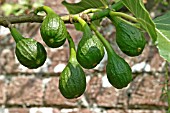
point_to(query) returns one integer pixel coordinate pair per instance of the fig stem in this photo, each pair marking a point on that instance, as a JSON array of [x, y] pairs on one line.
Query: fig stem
[[72, 48], [91, 10], [83, 23], [108, 47], [15, 34], [112, 14], [116, 20], [46, 9]]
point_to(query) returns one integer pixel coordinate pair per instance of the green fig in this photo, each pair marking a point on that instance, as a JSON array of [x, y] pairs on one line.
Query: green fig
[[90, 49], [53, 30], [29, 52], [72, 82], [118, 71], [130, 39]]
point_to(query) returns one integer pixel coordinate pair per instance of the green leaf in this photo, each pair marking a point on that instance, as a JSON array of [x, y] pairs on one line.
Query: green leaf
[[138, 9], [163, 31], [163, 45], [164, 19], [75, 8]]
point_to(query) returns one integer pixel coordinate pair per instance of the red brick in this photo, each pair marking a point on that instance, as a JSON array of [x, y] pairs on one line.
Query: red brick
[[143, 57], [148, 92], [85, 111], [156, 62], [7, 62], [93, 89], [107, 97], [25, 90], [18, 110], [104, 96], [55, 57], [54, 97], [2, 91], [56, 6]]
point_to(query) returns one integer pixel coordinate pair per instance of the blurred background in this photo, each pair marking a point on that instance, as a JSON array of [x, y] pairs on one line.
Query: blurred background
[[36, 91]]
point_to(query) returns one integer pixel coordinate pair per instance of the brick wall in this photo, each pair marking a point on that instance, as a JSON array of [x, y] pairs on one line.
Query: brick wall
[[29, 93], [36, 91]]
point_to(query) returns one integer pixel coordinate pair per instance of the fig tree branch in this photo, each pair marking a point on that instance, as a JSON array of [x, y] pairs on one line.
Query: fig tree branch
[[86, 15], [20, 19], [39, 19], [4, 21]]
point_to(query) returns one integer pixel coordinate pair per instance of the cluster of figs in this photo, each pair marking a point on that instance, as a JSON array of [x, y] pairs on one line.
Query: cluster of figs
[[89, 53]]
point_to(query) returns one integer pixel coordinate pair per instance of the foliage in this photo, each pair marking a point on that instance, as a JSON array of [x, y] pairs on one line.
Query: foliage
[[83, 5], [163, 39], [142, 15], [21, 7]]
